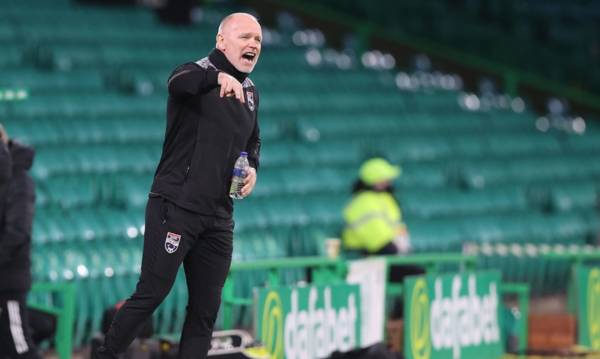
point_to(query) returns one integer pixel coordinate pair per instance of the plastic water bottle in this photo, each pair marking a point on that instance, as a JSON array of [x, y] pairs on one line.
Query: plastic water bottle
[[240, 170]]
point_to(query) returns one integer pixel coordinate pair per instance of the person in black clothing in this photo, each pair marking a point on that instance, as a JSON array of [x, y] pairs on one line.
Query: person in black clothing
[[18, 202], [211, 118], [5, 169]]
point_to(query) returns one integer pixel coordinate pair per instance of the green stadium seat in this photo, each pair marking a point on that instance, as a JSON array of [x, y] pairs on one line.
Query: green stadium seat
[[509, 145], [413, 149], [325, 209], [248, 214], [11, 56], [284, 211], [469, 146], [562, 228], [479, 174], [279, 154], [429, 174], [496, 228], [71, 191], [512, 122], [329, 153], [132, 191], [571, 196], [435, 235], [431, 203], [584, 143], [47, 83]]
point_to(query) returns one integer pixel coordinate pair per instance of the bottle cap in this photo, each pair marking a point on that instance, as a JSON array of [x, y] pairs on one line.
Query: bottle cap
[[244, 153]]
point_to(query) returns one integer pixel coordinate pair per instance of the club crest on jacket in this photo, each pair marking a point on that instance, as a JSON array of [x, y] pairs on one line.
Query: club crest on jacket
[[250, 100]]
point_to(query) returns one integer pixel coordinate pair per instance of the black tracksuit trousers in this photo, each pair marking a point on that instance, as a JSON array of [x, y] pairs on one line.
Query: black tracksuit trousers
[[173, 236]]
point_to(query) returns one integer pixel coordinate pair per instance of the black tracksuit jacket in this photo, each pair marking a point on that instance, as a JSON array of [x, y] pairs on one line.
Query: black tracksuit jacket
[[204, 136], [15, 228]]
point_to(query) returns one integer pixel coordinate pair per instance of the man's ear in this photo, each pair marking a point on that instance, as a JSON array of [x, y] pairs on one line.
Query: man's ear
[[3, 135], [220, 42]]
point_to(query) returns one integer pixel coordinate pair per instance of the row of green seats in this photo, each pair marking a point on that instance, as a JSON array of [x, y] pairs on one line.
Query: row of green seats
[[93, 105], [56, 225], [77, 191], [150, 54], [423, 148], [332, 125], [97, 159], [584, 143], [321, 78], [567, 195], [435, 234], [400, 148], [71, 181], [261, 224], [107, 129], [301, 180], [447, 202], [39, 18], [524, 262], [263, 212], [43, 83], [280, 229], [557, 196], [298, 225], [106, 33], [122, 256], [354, 104], [301, 80], [85, 131], [84, 105], [127, 189], [66, 261], [132, 129], [451, 232], [482, 173], [105, 158], [70, 191]]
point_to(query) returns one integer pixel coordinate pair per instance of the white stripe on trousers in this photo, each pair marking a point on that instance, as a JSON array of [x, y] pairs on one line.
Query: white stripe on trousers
[[16, 326]]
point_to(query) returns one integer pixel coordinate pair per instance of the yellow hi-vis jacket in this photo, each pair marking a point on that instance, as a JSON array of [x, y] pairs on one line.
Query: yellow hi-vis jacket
[[373, 219]]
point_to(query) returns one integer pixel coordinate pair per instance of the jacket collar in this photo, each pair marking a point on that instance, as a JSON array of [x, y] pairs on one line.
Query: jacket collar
[[22, 156], [218, 59]]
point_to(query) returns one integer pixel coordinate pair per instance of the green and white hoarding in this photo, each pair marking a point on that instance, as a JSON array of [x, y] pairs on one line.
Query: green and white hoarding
[[308, 322], [453, 316], [587, 291]]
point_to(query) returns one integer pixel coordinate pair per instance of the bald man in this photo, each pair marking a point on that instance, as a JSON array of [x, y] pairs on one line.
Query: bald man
[[211, 118]]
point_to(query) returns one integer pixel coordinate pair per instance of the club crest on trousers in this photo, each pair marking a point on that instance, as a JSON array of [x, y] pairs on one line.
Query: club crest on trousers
[[172, 242]]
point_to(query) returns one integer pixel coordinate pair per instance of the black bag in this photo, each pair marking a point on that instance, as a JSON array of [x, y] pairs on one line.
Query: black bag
[[226, 344], [42, 325], [376, 351]]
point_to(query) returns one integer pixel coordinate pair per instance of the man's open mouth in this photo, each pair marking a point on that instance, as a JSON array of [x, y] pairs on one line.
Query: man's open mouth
[[250, 56]]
